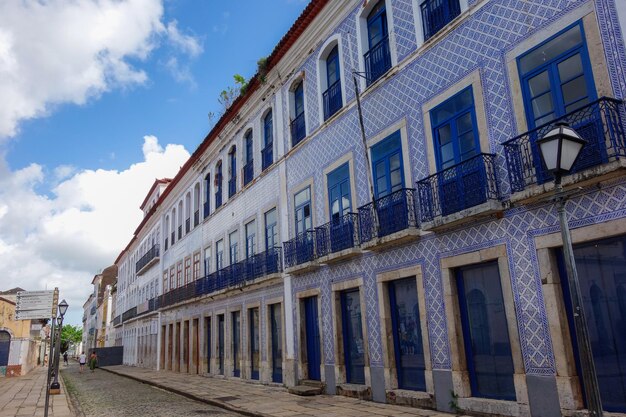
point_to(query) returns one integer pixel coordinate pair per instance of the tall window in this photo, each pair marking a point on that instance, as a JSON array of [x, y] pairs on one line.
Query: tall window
[[332, 96], [196, 204], [271, 229], [302, 205], [172, 277], [378, 58], [188, 212], [207, 195], [207, 261], [438, 13], [250, 239], [339, 192], [232, 171], [387, 165], [233, 241], [173, 225], [298, 128], [179, 275], [187, 270], [268, 140], [219, 255], [196, 266], [454, 130], [166, 286], [218, 184], [248, 169], [167, 230]]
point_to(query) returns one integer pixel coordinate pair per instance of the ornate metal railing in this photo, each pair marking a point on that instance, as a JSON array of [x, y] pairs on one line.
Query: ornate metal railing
[[600, 123], [394, 212], [300, 249], [464, 185], [129, 314], [232, 186], [298, 129], [438, 13], [218, 199], [377, 60], [337, 235], [152, 253], [196, 218], [268, 156], [265, 263], [332, 99], [248, 172], [117, 321]]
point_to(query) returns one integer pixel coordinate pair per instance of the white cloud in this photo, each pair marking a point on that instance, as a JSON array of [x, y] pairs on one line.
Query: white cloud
[[64, 238], [58, 51]]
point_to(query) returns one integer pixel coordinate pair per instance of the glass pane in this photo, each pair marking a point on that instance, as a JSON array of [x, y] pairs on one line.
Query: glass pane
[[389, 145], [551, 49], [444, 134], [452, 106], [394, 162], [447, 153], [542, 105], [539, 84], [354, 345], [381, 186], [570, 68], [303, 196], [464, 123], [577, 104], [467, 143], [545, 119], [396, 180], [574, 89], [381, 170], [485, 324]]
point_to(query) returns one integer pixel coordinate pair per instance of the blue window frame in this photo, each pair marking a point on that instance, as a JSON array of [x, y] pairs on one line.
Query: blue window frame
[[250, 238], [248, 170], [485, 332], [312, 336], [254, 343], [387, 165], [407, 334], [236, 343], [332, 66], [232, 171], [332, 96], [218, 185], [455, 130], [556, 76], [207, 261], [378, 58], [268, 140], [277, 342], [438, 13], [271, 229], [298, 127], [339, 201], [219, 255], [353, 342], [233, 241], [302, 204], [377, 24]]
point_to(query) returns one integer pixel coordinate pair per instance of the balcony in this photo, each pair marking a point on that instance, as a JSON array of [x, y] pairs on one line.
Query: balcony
[[248, 172], [232, 186], [600, 123], [377, 60], [180, 232], [438, 13], [196, 218], [300, 256], [262, 264], [298, 129], [332, 99], [460, 193], [117, 321], [268, 156], [129, 314], [218, 199], [187, 225], [148, 259], [389, 220], [338, 239]]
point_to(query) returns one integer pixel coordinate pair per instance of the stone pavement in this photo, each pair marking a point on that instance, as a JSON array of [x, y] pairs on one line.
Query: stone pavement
[[254, 399], [26, 396]]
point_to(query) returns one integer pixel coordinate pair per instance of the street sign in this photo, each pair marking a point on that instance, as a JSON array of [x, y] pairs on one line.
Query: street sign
[[32, 305]]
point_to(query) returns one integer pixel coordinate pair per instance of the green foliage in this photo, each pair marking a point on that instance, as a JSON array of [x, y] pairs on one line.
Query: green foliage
[[262, 69], [72, 334], [454, 403]]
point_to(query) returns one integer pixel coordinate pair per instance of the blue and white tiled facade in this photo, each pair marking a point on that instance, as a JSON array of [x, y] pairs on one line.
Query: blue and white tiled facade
[[481, 44]]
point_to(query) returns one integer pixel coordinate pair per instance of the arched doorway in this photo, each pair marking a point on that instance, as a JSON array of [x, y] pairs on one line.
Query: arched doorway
[[5, 343]]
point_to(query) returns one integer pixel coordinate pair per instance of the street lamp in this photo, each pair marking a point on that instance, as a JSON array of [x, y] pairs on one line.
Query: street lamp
[[57, 347], [559, 149]]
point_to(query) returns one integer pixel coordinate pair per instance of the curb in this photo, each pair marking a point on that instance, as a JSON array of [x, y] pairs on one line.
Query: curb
[[210, 401]]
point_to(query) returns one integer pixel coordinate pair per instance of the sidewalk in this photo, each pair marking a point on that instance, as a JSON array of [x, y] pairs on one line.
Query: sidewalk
[[26, 396], [261, 400]]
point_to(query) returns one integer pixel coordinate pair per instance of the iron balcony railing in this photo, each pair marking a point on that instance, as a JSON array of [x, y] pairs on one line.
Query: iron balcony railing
[[187, 225], [248, 172], [338, 234], [196, 218], [377, 60], [218, 199], [599, 123], [180, 231], [166, 245], [298, 129], [332, 99], [261, 264], [395, 212], [207, 209], [129, 314], [268, 156], [152, 253], [232, 186], [117, 321], [464, 185], [300, 249], [438, 13]]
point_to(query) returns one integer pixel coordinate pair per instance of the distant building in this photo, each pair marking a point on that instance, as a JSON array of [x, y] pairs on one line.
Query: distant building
[[97, 319]]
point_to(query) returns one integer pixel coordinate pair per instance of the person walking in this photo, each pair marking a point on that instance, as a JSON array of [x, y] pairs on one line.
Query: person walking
[[93, 361], [65, 359], [82, 360]]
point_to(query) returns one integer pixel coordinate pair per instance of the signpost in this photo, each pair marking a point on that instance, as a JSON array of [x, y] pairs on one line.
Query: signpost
[[32, 305]]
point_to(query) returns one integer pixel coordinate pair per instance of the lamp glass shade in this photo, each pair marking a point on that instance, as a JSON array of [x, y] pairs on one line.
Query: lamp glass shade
[[560, 147], [59, 320], [569, 152], [63, 307], [550, 151]]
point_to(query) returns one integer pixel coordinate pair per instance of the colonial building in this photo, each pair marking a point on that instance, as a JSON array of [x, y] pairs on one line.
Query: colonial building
[[400, 247]]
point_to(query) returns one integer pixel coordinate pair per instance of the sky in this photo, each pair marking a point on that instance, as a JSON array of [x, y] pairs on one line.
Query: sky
[[99, 98]]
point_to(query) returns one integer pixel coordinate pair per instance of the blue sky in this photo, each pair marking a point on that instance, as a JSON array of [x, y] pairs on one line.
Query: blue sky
[[100, 97]]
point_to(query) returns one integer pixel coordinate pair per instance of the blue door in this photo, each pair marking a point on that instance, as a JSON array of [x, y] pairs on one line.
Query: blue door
[[388, 183], [313, 354], [353, 342], [342, 226], [254, 343], [276, 324], [601, 267], [407, 334], [5, 343], [236, 343], [207, 327], [304, 238], [220, 342], [378, 58], [485, 332]]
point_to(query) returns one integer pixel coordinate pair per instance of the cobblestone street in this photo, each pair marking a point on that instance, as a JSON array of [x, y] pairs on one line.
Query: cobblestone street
[[105, 394]]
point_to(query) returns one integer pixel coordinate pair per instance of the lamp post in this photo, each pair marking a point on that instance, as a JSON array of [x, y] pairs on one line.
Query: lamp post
[[559, 149], [57, 346]]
